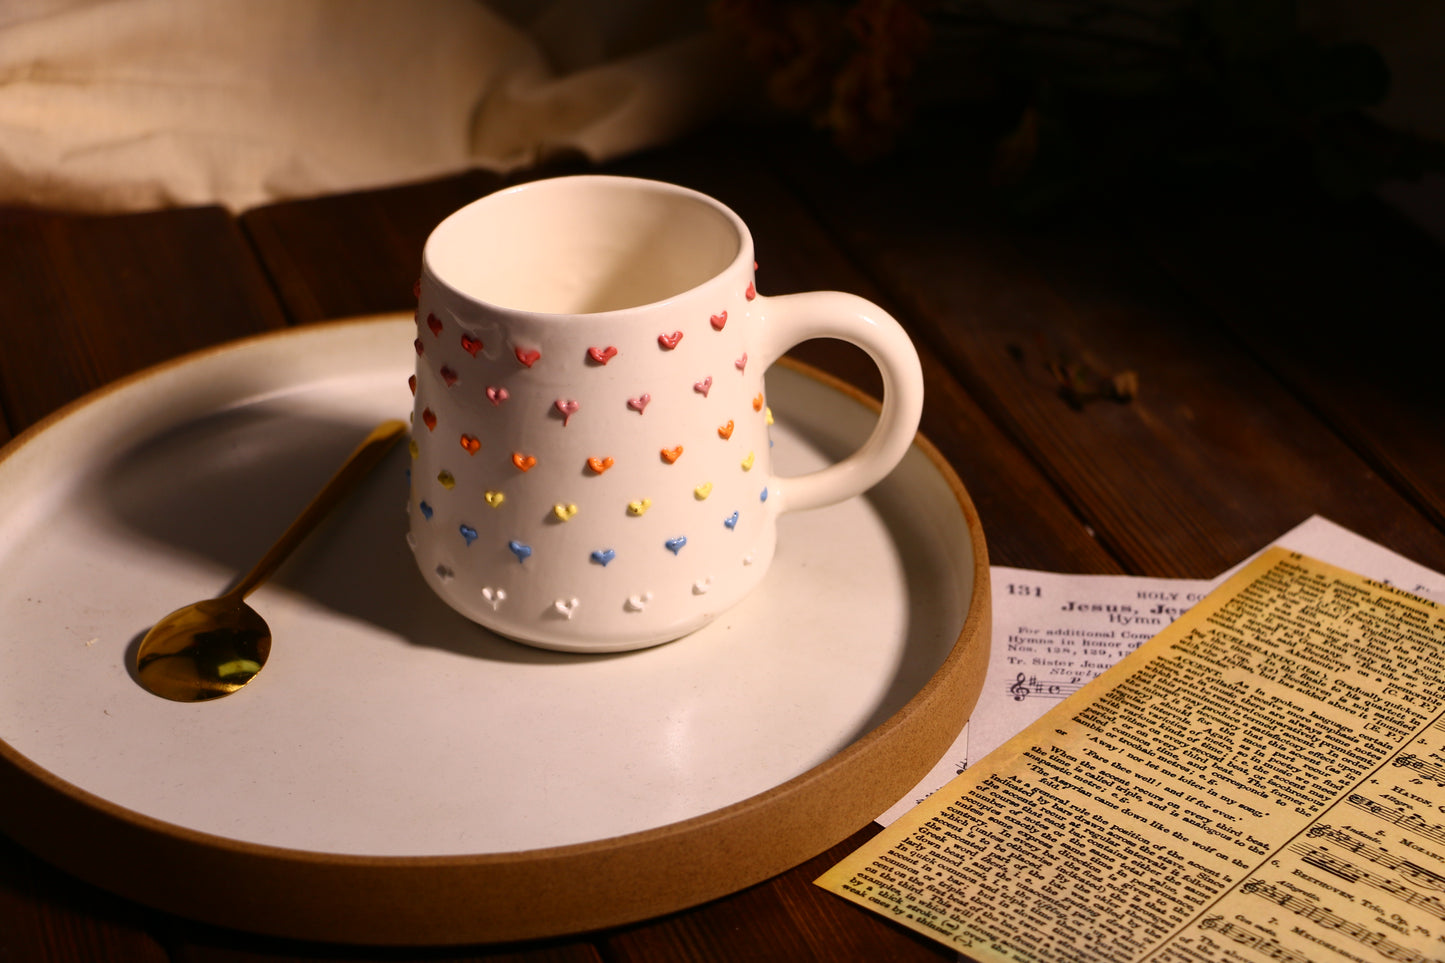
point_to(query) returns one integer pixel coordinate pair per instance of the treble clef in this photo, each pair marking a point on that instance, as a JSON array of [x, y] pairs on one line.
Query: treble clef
[[1020, 689]]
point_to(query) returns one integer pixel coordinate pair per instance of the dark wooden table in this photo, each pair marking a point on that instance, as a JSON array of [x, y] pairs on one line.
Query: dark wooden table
[[1280, 344]]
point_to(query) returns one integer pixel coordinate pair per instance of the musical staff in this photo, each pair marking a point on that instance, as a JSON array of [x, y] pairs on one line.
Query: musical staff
[[1411, 822], [1427, 769], [1026, 686], [1328, 919], [1320, 858], [1378, 855], [1267, 946]]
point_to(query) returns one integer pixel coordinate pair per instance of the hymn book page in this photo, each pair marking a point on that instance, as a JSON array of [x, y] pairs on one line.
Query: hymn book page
[[1265, 779]]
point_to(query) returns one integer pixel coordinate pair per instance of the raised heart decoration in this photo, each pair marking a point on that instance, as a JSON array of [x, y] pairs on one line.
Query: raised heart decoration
[[718, 320], [748, 462], [636, 603], [468, 533], [448, 375], [494, 596], [742, 363], [568, 408], [521, 550], [523, 462], [602, 355], [446, 480], [420, 348], [725, 431], [751, 292], [411, 383], [600, 465], [426, 510], [567, 607], [434, 323], [703, 387], [528, 356], [497, 395], [702, 491], [471, 345], [669, 341], [674, 545], [471, 443], [758, 402], [701, 586], [563, 512], [640, 403], [640, 506], [494, 498], [731, 522], [429, 418], [671, 455], [603, 555]]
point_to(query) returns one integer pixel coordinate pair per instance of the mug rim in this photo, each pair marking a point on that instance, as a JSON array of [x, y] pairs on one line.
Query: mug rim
[[743, 257]]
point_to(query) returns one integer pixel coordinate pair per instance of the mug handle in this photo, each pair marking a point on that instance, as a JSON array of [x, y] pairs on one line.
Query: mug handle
[[793, 318]]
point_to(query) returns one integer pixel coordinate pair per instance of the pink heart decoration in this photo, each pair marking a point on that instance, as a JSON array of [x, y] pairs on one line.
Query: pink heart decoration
[[669, 341], [742, 363], [497, 395], [639, 403], [704, 386], [568, 409]]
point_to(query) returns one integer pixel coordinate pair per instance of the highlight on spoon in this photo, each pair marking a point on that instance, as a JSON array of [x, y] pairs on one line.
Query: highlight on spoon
[[215, 647]]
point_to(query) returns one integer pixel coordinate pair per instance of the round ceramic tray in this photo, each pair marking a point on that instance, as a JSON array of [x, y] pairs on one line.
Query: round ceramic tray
[[397, 774]]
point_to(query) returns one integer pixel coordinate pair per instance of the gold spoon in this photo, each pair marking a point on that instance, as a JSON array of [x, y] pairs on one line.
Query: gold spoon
[[212, 648]]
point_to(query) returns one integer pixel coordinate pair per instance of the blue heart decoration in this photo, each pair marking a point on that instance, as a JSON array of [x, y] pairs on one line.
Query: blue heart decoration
[[469, 533], [603, 555], [425, 510], [674, 545], [764, 496], [731, 521], [523, 552]]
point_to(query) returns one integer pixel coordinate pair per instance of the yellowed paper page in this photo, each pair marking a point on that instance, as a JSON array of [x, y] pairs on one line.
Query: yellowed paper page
[[1263, 780]]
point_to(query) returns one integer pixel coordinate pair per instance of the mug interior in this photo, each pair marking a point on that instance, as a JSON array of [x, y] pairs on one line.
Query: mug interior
[[583, 245]]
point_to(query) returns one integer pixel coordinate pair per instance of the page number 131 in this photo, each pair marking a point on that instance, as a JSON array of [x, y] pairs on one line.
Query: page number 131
[[1015, 588]]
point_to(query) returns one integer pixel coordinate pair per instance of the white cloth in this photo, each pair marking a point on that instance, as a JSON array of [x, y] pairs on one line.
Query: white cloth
[[132, 104]]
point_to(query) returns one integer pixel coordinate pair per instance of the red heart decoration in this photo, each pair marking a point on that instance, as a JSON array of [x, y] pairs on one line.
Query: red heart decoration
[[411, 383], [751, 292], [471, 345], [448, 375], [718, 320], [420, 348], [528, 358], [602, 355], [471, 444], [435, 323], [669, 341], [430, 418]]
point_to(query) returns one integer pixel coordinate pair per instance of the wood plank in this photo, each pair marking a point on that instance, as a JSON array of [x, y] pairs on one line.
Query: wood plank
[[1342, 302], [1210, 461], [359, 253], [47, 915], [92, 298], [197, 943]]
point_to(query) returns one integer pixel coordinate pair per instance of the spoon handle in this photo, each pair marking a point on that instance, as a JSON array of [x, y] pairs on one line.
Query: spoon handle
[[357, 465]]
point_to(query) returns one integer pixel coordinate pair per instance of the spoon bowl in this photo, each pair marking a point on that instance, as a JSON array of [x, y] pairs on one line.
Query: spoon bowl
[[212, 648]]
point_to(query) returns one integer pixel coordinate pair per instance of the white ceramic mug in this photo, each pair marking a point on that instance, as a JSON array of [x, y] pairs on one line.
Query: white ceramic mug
[[591, 468]]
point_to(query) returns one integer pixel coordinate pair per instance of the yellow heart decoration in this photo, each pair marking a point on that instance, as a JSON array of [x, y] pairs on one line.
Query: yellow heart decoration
[[768, 414], [703, 490], [495, 498], [411, 447], [748, 462], [564, 512], [445, 477], [639, 507]]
